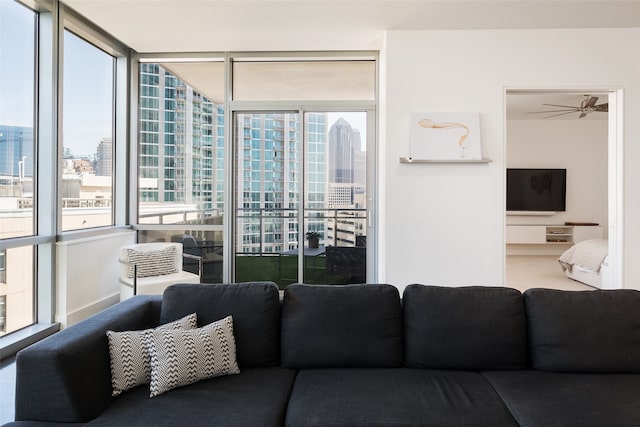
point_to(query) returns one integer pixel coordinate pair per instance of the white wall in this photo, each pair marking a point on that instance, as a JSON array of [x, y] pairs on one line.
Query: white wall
[[87, 275], [444, 223], [580, 146]]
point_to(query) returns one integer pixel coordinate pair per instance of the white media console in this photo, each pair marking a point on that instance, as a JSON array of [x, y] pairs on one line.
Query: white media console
[[547, 239]]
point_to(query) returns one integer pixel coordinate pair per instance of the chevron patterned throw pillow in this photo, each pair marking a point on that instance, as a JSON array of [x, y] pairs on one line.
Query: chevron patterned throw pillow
[[152, 262], [129, 352], [181, 357]]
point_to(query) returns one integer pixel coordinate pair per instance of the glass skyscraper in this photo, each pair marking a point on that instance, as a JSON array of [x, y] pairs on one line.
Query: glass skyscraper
[[181, 161], [16, 149], [181, 138]]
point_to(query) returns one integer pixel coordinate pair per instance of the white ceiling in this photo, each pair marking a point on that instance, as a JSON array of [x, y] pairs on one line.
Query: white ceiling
[[520, 106], [152, 26], [246, 25]]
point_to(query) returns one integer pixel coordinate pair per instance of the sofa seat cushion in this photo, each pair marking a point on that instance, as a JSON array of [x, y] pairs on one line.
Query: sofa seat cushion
[[255, 397], [543, 399], [394, 397], [325, 326]]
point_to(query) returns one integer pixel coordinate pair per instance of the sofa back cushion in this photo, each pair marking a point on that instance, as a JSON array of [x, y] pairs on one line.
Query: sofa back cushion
[[326, 326], [255, 308], [584, 331], [471, 328]]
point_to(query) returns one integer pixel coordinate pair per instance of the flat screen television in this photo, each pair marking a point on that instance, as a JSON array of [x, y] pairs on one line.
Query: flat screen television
[[536, 190]]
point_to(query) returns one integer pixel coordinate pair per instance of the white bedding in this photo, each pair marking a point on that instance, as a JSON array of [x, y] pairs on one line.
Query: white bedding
[[588, 254], [588, 262]]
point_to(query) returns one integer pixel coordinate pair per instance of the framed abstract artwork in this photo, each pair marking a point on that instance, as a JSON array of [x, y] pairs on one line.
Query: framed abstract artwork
[[445, 136]]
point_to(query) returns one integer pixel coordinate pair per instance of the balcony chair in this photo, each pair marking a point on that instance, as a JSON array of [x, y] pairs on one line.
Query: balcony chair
[[346, 264], [206, 260], [148, 268]]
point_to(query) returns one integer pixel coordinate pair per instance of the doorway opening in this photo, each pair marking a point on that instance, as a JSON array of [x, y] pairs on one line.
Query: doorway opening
[[573, 136]]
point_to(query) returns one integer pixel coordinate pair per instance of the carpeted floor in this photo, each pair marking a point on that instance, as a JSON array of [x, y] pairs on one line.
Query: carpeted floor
[[538, 271]]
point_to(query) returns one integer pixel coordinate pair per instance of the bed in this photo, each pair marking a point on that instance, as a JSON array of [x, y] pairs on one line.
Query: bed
[[587, 262]]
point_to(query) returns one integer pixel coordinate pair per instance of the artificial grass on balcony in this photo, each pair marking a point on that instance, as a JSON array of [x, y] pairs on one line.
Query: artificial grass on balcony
[[283, 270]]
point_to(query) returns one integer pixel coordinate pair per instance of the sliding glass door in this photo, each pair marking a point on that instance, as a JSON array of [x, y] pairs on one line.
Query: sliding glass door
[[300, 197]]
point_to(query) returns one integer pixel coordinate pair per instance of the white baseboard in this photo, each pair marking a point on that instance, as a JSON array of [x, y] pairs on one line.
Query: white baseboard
[[76, 316]]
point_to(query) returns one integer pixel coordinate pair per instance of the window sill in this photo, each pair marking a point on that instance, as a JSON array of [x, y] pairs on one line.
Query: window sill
[[12, 343]]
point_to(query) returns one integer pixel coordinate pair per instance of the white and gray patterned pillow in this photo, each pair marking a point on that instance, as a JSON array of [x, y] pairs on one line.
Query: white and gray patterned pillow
[[129, 352], [179, 357], [156, 262]]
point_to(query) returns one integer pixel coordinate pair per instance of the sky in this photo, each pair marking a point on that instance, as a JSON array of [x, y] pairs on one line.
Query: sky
[[87, 95], [87, 85], [16, 68]]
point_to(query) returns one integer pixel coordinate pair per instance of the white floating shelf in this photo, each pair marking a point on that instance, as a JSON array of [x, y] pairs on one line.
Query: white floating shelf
[[412, 160]]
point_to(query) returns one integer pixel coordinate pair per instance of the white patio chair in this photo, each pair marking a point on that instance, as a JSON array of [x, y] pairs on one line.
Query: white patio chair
[[148, 268]]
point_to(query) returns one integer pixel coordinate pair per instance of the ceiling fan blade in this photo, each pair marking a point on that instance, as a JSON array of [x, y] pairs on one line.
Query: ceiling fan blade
[[602, 108], [583, 114], [591, 101], [564, 106], [570, 110], [561, 114]]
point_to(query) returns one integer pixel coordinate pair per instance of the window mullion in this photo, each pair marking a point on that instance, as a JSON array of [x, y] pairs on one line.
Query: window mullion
[[302, 193]]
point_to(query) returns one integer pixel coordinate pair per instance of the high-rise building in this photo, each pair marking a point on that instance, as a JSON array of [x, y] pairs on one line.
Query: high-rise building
[[269, 187], [182, 161], [104, 157], [16, 151], [347, 164], [181, 137], [347, 184], [344, 142]]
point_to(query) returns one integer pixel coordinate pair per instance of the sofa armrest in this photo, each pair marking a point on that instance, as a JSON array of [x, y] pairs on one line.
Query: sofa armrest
[[67, 376]]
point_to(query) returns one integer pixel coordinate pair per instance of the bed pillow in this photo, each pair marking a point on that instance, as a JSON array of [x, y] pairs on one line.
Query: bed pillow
[[158, 262], [129, 353], [182, 357]]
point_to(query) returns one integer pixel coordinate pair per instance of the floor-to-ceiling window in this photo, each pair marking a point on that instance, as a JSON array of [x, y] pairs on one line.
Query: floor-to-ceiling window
[[335, 196], [18, 204], [87, 168], [301, 168], [181, 155], [281, 146], [305, 168], [58, 91], [267, 180]]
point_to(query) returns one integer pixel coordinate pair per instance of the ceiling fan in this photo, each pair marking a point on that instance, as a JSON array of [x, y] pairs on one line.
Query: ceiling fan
[[588, 105]]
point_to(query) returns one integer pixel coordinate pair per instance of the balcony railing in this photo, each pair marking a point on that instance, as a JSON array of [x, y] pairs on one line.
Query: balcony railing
[[86, 203], [178, 214], [338, 227], [267, 246]]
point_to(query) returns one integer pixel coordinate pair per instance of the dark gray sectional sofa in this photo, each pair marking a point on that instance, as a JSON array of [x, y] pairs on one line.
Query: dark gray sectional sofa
[[359, 355]]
